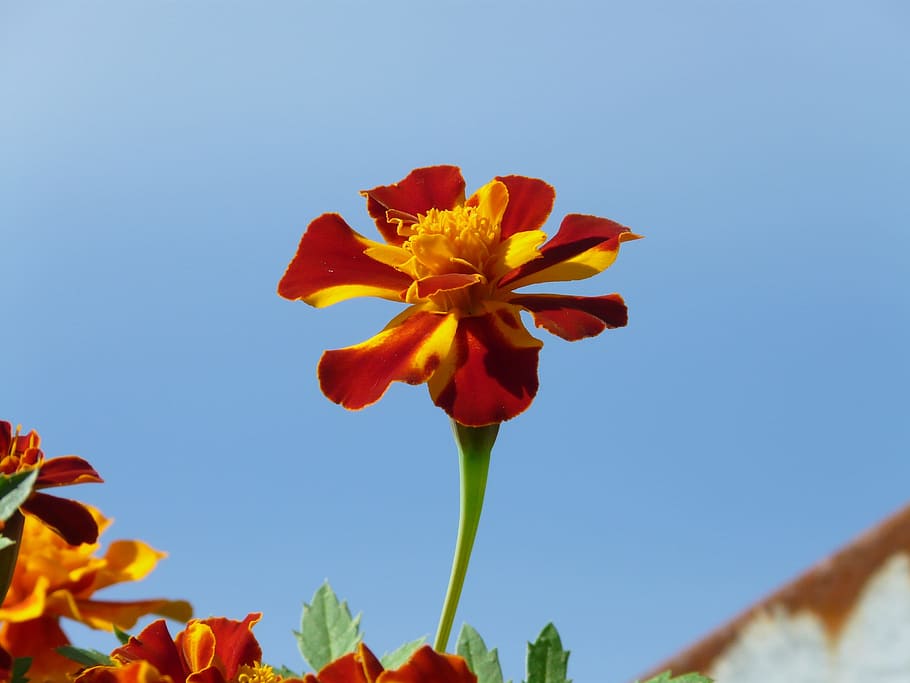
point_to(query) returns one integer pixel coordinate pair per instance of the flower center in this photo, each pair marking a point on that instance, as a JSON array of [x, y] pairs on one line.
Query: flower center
[[457, 240], [257, 673]]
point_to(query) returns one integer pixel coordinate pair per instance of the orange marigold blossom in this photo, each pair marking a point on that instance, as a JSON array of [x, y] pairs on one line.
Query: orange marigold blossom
[[53, 580], [214, 650], [424, 666], [219, 650], [68, 518], [458, 264]]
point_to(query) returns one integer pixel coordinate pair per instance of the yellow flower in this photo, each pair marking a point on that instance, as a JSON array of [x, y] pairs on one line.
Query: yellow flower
[[53, 579]]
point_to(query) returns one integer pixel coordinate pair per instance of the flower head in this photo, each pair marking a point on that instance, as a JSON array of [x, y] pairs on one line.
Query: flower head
[[53, 579], [215, 650], [219, 650], [68, 518], [457, 263], [424, 666]]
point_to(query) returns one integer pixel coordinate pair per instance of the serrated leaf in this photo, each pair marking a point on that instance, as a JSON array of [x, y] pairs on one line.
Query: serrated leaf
[[85, 657], [547, 661], [327, 630], [398, 656], [484, 663], [20, 668], [122, 636], [665, 677], [14, 490]]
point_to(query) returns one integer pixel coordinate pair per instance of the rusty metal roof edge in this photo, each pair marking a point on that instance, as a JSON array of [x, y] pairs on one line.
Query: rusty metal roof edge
[[829, 589]]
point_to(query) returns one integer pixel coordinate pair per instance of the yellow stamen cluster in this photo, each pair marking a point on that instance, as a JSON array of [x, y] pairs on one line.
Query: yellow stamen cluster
[[458, 240], [257, 673]]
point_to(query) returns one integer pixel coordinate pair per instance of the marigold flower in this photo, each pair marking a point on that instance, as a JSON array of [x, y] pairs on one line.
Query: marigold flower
[[215, 650], [424, 666], [68, 518], [53, 579], [458, 264]]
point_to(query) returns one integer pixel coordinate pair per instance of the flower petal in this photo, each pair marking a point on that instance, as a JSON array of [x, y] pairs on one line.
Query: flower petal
[[39, 639], [433, 187], [426, 665], [583, 246], [330, 266], [196, 645], [6, 437], [491, 201], [68, 469], [155, 646], [530, 203], [68, 518], [356, 667], [235, 643], [490, 374], [103, 615], [574, 317], [19, 607], [409, 349], [134, 672], [515, 251], [433, 284], [126, 561]]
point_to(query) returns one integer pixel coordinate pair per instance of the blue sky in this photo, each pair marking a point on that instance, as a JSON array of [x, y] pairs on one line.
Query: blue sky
[[159, 162]]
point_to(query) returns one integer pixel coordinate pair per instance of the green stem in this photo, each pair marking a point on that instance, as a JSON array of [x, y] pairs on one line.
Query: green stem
[[474, 446]]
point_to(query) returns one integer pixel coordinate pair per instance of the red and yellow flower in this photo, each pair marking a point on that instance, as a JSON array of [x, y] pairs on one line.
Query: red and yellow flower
[[53, 579], [458, 264], [68, 518], [215, 650], [220, 650], [424, 666]]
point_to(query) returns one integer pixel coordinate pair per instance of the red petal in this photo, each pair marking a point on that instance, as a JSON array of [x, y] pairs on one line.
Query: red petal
[[329, 258], [427, 666], [155, 646], [574, 317], [433, 187], [408, 350], [371, 666], [577, 234], [355, 667], [530, 203], [434, 284], [68, 518], [68, 469], [39, 639], [235, 644], [490, 375], [6, 438]]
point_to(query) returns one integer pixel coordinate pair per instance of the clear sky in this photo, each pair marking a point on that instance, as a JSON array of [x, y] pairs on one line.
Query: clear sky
[[159, 162]]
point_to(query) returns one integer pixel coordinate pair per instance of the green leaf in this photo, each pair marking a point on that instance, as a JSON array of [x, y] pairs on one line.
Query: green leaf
[[547, 661], [665, 677], [484, 663], [85, 657], [398, 656], [6, 542], [122, 636], [327, 630], [14, 490], [20, 668]]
